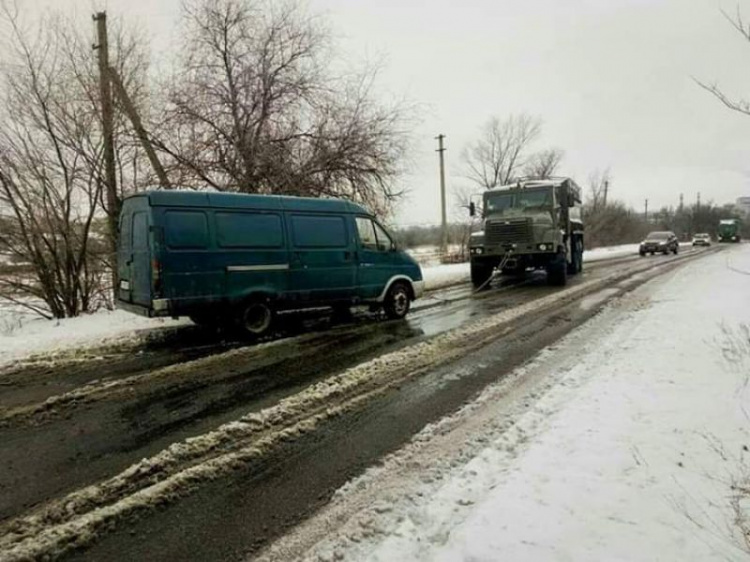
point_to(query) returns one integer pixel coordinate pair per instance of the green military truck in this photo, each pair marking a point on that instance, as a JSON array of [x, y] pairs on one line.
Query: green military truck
[[530, 224], [729, 230]]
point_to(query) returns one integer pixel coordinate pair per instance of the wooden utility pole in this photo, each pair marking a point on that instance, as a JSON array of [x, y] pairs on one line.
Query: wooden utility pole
[[105, 92], [441, 150], [645, 214]]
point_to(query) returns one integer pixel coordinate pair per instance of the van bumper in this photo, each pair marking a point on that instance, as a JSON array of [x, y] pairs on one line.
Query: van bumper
[[159, 307], [418, 288]]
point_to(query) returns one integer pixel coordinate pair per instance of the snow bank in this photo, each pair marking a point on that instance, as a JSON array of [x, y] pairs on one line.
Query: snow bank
[[439, 276], [610, 252], [23, 333], [627, 455]]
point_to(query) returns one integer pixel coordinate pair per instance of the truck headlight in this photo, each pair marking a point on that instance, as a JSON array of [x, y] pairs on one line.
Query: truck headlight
[[542, 247]]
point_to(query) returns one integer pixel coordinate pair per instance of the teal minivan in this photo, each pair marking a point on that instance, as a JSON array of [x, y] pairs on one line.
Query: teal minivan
[[232, 259]]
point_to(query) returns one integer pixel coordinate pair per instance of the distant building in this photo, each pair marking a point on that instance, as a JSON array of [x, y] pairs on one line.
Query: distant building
[[743, 204]]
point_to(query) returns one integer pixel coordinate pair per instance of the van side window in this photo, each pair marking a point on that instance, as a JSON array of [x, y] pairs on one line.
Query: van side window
[[249, 230], [187, 230], [313, 231], [140, 231], [384, 241], [367, 233]]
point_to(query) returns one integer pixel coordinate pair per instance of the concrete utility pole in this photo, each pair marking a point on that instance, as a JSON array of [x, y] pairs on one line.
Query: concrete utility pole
[[113, 207], [645, 214], [441, 150], [699, 200], [682, 202], [139, 129]]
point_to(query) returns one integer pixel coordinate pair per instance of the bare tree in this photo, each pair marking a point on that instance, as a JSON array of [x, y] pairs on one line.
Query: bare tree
[[599, 181], [500, 152], [740, 105], [51, 180], [544, 164], [255, 106]]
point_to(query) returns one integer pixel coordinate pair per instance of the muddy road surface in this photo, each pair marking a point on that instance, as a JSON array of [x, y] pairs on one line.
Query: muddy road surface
[[190, 445]]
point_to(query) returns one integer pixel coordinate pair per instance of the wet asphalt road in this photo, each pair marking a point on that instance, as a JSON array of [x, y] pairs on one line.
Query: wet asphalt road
[[48, 451]]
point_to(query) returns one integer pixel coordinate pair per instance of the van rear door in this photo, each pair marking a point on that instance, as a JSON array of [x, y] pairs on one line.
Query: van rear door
[[134, 254], [140, 262], [125, 254]]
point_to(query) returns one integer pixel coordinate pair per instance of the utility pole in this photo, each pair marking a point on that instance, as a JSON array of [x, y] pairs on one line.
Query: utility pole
[[135, 119], [441, 150], [606, 191], [645, 215], [681, 202], [102, 49], [698, 202]]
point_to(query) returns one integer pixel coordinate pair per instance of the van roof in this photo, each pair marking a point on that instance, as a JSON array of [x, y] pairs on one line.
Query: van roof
[[214, 199]]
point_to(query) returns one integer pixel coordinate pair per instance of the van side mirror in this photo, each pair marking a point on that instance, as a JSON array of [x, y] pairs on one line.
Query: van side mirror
[[472, 209]]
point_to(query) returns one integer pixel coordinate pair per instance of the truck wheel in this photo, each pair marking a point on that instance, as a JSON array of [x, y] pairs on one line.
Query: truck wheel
[[257, 318], [676, 249], [397, 301], [557, 271], [576, 264], [480, 274]]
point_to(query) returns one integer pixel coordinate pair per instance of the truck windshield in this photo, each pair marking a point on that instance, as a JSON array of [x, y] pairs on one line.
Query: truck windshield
[[518, 199]]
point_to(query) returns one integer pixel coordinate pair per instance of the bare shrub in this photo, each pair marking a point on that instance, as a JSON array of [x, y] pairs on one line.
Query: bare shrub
[[51, 181]]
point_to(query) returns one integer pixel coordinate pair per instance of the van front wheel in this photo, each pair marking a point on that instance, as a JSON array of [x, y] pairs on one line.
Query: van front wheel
[[397, 301], [257, 318]]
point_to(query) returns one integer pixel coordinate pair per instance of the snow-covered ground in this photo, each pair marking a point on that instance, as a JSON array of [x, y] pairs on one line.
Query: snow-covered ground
[[24, 333], [625, 449]]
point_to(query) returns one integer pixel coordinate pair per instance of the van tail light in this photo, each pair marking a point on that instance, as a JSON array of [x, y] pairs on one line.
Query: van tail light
[[156, 277]]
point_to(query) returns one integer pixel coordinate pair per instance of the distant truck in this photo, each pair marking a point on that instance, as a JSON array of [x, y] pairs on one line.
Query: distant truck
[[236, 260], [729, 230], [529, 224]]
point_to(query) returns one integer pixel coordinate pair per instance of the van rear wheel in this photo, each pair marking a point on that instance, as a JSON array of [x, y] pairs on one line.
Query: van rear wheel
[[397, 301], [256, 318]]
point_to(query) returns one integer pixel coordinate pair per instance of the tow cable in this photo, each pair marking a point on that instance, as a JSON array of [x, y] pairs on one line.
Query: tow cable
[[497, 271]]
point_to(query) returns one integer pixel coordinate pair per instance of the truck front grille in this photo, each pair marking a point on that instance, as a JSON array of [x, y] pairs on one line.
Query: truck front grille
[[503, 232]]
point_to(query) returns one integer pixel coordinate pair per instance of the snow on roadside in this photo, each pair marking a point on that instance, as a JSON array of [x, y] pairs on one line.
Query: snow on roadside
[[23, 333], [627, 454]]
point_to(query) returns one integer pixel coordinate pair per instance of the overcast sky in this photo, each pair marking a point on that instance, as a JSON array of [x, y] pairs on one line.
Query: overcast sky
[[611, 80]]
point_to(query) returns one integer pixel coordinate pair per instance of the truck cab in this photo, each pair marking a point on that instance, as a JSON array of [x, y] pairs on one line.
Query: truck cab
[[531, 224]]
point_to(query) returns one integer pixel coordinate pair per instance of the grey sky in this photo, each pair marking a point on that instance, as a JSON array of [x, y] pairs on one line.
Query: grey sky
[[611, 80]]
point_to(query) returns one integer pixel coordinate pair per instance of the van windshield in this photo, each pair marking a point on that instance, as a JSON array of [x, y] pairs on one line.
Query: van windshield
[[521, 199], [658, 236]]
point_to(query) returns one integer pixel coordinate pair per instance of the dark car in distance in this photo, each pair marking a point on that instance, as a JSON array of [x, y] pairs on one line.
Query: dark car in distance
[[662, 241]]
